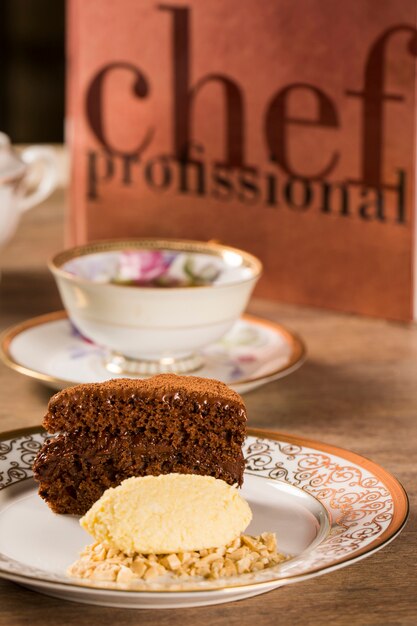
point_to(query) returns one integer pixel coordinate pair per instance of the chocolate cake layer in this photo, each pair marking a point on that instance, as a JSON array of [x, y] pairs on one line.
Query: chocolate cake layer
[[121, 428], [122, 402], [73, 471]]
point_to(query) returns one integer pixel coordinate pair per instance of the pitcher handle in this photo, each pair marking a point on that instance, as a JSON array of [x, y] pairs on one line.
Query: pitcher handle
[[49, 180]]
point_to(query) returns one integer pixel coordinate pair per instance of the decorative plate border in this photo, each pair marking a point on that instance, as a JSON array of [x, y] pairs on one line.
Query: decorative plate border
[[296, 359], [367, 506]]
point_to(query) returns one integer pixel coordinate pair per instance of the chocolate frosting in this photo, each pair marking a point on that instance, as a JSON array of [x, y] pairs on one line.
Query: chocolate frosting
[[166, 389]]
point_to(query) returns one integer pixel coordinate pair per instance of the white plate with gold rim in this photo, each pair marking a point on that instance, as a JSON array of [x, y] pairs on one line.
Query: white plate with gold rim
[[49, 349], [328, 507]]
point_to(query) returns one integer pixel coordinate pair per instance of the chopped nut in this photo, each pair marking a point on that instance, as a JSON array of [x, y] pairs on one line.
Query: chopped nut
[[138, 568], [270, 541], [238, 554], [230, 567], [245, 554], [139, 558], [243, 565], [154, 572], [202, 569], [251, 543], [99, 553], [234, 545], [217, 565], [181, 572], [171, 562], [184, 557], [124, 575], [106, 571], [209, 558], [112, 552], [263, 552]]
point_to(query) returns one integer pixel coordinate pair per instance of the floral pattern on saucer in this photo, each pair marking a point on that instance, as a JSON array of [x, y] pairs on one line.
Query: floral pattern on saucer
[[52, 350], [239, 354], [241, 351]]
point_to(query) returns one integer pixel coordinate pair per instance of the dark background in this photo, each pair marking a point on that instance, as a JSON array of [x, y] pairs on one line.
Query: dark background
[[32, 70]]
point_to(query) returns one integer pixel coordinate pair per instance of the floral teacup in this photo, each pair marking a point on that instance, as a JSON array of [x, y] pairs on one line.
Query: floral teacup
[[154, 303]]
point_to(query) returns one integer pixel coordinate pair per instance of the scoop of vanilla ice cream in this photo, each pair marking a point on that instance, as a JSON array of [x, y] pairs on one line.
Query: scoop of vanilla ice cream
[[168, 513]]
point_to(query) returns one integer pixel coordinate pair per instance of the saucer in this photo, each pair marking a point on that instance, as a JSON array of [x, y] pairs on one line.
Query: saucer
[[50, 349]]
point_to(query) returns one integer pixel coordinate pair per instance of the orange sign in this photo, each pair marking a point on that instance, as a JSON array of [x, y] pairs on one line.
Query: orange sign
[[284, 128]]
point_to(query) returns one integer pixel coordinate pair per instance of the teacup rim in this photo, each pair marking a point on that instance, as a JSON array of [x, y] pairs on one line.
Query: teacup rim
[[185, 245]]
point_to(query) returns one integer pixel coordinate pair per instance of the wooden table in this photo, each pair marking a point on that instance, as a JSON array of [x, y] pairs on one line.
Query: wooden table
[[358, 389]]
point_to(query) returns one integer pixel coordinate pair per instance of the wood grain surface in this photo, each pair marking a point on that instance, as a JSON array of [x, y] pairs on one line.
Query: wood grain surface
[[358, 389]]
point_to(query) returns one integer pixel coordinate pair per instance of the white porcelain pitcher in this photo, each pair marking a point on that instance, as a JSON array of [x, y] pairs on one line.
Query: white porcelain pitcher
[[14, 172]]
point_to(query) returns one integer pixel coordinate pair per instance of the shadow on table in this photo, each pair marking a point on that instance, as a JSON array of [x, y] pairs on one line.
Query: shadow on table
[[320, 397], [22, 606], [26, 294]]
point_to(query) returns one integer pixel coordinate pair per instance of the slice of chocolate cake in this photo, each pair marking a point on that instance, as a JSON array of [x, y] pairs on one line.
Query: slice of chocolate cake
[[121, 428]]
